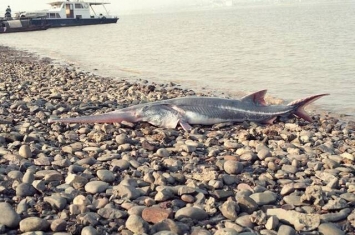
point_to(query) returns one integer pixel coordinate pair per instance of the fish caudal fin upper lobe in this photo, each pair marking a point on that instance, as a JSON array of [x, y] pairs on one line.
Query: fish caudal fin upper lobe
[[112, 117], [300, 104]]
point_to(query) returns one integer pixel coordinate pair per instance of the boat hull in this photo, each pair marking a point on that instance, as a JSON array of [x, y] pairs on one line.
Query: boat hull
[[28, 29], [23, 25], [55, 23]]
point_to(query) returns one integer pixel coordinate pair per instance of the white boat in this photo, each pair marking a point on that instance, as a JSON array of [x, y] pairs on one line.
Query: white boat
[[73, 13]]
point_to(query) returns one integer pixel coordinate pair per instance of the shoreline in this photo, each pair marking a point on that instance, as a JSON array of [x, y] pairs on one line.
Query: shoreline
[[136, 178], [206, 91]]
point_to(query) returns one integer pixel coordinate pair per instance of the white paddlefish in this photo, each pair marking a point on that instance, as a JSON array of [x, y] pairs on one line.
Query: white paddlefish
[[187, 111]]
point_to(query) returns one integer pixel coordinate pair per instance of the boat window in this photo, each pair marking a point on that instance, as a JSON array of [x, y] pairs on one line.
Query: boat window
[[79, 16], [57, 15], [51, 15], [77, 6]]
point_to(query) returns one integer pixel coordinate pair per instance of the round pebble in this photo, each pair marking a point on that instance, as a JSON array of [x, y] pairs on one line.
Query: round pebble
[[96, 187], [105, 175], [12, 219], [233, 167], [33, 224]]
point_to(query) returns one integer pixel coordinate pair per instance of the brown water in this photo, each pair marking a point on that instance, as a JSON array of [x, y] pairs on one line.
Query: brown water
[[293, 50]]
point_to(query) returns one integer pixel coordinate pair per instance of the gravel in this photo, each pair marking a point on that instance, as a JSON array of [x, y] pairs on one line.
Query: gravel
[[291, 177]]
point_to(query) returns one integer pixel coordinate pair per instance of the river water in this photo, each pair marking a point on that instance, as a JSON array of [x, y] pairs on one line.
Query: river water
[[293, 50]]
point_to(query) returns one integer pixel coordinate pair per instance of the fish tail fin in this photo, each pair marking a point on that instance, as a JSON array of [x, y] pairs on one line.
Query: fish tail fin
[[112, 117], [300, 104]]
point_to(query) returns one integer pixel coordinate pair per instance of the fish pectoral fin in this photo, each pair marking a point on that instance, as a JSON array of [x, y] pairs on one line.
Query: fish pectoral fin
[[185, 125], [171, 124], [256, 98], [270, 120]]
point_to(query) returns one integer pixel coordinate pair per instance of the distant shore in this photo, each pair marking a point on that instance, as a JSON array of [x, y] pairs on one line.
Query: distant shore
[[136, 178]]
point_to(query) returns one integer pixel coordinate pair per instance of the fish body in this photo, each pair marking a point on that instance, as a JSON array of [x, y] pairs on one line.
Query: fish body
[[187, 111]]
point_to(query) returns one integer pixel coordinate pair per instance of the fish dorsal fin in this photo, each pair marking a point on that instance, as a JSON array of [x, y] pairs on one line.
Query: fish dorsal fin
[[256, 97]]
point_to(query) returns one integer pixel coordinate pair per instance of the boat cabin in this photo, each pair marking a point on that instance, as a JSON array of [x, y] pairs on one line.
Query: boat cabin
[[69, 10], [72, 10]]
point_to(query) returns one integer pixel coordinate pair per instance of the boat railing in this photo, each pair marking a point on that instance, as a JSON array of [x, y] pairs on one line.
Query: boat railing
[[25, 14]]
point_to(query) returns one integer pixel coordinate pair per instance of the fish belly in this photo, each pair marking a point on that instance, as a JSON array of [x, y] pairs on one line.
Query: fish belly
[[197, 118]]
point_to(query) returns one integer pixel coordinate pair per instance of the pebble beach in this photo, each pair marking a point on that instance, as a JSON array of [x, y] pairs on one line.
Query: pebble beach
[[292, 177]]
